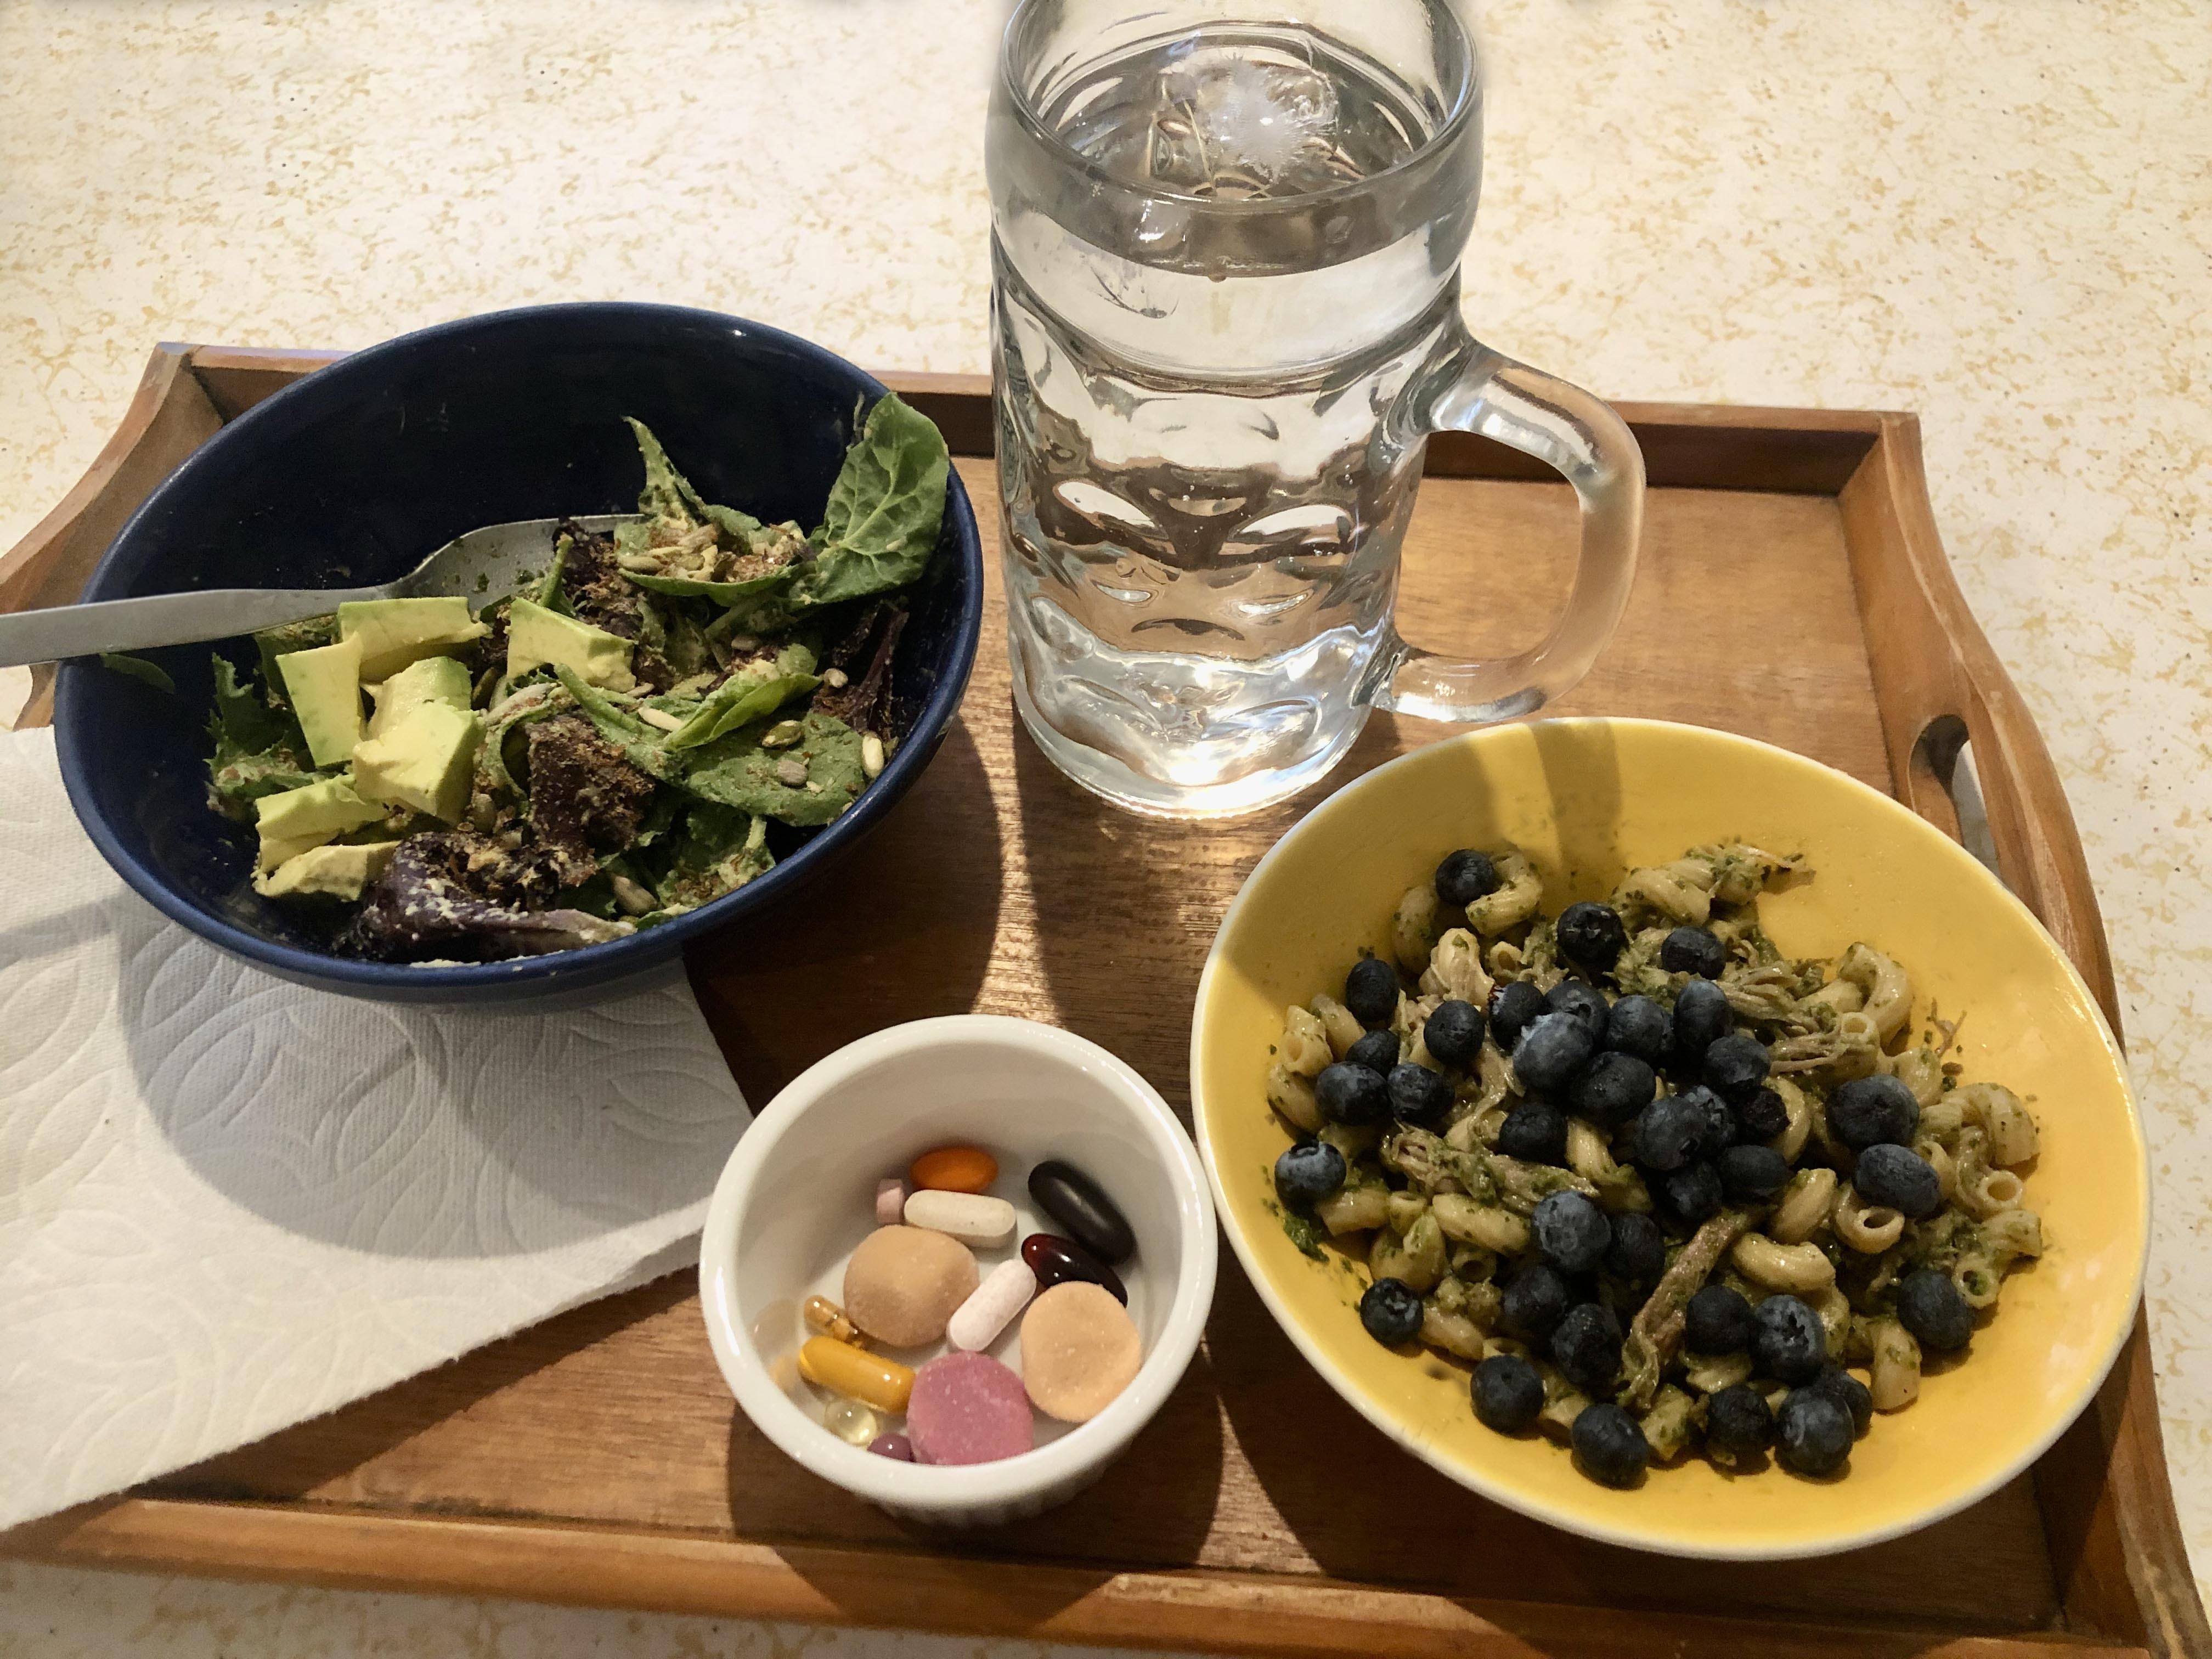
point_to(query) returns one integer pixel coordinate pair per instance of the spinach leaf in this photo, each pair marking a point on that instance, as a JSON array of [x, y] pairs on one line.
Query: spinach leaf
[[257, 751], [754, 691], [241, 718], [667, 493], [721, 849], [884, 510], [137, 668], [735, 770], [549, 593], [639, 742], [722, 594]]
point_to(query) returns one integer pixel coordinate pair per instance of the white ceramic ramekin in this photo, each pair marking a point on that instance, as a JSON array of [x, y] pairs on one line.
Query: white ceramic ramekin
[[798, 1194]]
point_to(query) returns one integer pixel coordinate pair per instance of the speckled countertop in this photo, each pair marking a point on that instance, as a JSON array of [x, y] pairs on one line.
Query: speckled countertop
[[1999, 214]]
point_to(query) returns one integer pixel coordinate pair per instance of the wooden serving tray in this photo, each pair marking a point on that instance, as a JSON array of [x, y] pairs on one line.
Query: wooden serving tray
[[1792, 588]]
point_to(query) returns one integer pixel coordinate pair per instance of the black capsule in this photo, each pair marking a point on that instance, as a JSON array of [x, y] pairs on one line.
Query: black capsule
[[1056, 1261], [1073, 1199]]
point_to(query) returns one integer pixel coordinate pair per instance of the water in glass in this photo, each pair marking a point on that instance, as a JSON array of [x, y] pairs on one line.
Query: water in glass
[[1209, 325]]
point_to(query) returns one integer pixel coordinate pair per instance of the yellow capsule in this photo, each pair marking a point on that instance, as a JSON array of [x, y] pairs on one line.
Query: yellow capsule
[[855, 1373], [825, 1318]]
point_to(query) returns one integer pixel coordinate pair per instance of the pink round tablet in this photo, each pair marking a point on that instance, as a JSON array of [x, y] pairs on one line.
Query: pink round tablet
[[969, 1408]]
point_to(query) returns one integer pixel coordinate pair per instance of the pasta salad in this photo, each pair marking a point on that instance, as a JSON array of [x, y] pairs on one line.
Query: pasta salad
[[1665, 1189]]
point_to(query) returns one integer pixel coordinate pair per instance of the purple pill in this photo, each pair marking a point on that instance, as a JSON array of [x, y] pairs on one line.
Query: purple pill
[[896, 1447]]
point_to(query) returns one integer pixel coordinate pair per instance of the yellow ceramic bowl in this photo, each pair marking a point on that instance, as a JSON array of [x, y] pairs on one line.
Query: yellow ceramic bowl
[[1587, 799]]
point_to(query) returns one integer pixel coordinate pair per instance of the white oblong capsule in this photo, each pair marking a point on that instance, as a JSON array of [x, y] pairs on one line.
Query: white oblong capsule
[[971, 1217], [1004, 1292], [890, 1202]]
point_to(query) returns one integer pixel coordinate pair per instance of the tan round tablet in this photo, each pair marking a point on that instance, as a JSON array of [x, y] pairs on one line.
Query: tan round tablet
[[904, 1283], [1079, 1349]]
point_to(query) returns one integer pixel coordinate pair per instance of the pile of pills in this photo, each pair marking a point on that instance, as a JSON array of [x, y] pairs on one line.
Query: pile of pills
[[915, 1283]]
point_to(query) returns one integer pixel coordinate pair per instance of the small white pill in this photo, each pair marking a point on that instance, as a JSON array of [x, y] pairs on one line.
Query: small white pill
[[971, 1217], [1004, 1292], [890, 1202]]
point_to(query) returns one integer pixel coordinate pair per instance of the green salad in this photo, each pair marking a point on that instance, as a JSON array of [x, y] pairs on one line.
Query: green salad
[[631, 736]]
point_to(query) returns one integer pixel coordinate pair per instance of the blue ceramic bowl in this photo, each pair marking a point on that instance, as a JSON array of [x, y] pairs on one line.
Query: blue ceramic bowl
[[353, 474]]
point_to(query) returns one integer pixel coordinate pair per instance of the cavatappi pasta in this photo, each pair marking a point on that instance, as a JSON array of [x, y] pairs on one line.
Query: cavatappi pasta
[[1657, 1183]]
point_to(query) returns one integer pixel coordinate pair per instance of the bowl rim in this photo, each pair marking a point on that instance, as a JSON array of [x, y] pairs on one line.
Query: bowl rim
[[1086, 1446], [2062, 1415], [305, 397]]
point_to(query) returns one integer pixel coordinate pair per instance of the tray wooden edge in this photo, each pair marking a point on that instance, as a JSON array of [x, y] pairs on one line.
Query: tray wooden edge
[[2107, 1504], [693, 1574], [2104, 1489]]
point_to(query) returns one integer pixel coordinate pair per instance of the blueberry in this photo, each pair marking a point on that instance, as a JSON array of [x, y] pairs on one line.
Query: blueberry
[[1929, 1306], [1869, 1111], [1720, 1122], [1377, 1051], [1551, 1052], [1693, 950], [1533, 1301], [1454, 1032], [1763, 1116], [1666, 1133], [1370, 991], [1513, 1007], [1571, 1232], [1391, 1311], [1739, 1424], [1586, 1346], [1639, 1026], [1790, 1344], [1718, 1321], [1309, 1172], [1848, 1392], [1899, 1178], [1419, 1096], [1585, 1002], [1351, 1094], [1638, 1253], [1534, 1131], [1736, 1066], [1752, 1174], [1815, 1431], [1693, 1193], [1612, 1089], [1466, 876], [1701, 1015], [1591, 937], [1508, 1393], [1610, 1445]]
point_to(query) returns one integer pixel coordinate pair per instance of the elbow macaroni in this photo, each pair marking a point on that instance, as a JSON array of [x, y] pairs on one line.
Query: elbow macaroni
[[1437, 1207]]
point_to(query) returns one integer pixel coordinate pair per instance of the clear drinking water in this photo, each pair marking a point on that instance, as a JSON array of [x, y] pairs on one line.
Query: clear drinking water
[[1226, 317]]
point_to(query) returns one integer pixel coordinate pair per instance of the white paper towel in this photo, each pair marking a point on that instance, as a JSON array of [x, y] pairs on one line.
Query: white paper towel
[[228, 1204]]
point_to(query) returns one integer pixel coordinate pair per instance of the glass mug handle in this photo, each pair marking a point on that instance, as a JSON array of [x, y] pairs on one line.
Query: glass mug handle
[[1485, 392]]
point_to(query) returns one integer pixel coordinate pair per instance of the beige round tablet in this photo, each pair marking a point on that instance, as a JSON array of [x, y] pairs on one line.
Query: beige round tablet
[[1079, 1349], [904, 1283]]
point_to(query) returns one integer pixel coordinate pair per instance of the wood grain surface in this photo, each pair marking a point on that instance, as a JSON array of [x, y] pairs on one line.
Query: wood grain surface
[[598, 1457]]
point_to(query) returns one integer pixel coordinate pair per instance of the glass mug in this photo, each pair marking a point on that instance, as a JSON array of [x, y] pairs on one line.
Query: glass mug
[[1225, 317]]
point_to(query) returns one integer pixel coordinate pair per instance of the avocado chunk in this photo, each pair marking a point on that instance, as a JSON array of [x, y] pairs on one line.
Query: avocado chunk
[[434, 679], [393, 633], [324, 685], [537, 636], [423, 760], [340, 871], [293, 820]]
